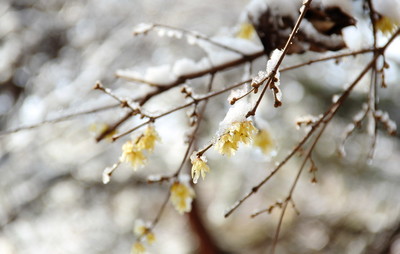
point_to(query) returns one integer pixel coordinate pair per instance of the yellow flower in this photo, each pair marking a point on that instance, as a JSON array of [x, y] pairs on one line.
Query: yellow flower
[[264, 141], [138, 248], [150, 237], [181, 197], [246, 31], [386, 25], [244, 131], [226, 145], [238, 132], [144, 230], [131, 153], [140, 229], [199, 167], [148, 140]]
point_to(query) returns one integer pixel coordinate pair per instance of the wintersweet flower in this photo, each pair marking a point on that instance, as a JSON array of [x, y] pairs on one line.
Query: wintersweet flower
[[228, 143], [182, 196], [131, 153], [264, 141], [246, 31], [138, 248], [150, 237], [199, 167], [148, 139], [386, 25], [144, 230], [244, 131], [140, 228]]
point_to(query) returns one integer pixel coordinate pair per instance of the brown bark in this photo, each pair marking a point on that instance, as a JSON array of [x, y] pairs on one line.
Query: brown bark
[[207, 244]]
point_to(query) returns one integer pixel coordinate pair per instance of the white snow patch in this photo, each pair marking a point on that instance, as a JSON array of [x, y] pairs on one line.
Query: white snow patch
[[285, 7], [335, 98], [277, 7], [142, 28], [310, 30], [191, 40], [256, 8], [185, 65], [272, 62], [237, 93], [161, 32], [154, 178], [388, 8], [242, 45], [261, 76], [371, 124], [344, 5], [184, 179], [174, 34], [129, 74], [236, 113], [389, 123], [108, 172], [161, 74]]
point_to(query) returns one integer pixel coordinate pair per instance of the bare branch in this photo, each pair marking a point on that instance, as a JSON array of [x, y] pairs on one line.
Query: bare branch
[[326, 117], [271, 77]]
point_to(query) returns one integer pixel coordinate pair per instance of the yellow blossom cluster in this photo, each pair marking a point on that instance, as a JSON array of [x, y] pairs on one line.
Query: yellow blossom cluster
[[143, 233], [132, 150], [264, 141], [148, 140], [199, 167], [246, 31], [132, 154], [386, 25], [141, 230], [138, 248], [228, 143], [182, 196]]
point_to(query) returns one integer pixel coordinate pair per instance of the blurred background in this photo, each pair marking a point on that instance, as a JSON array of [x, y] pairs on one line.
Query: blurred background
[[52, 199]]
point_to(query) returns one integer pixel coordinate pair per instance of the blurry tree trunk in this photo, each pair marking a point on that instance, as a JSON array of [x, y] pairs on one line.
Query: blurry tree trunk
[[207, 244], [389, 239]]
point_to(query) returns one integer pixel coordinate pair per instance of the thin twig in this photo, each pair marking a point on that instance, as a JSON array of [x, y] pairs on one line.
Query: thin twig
[[372, 17], [290, 195], [372, 96], [176, 174], [271, 77], [180, 80], [332, 108], [191, 142], [193, 135], [220, 92], [196, 100], [160, 212], [372, 105], [162, 88], [323, 59], [350, 130], [123, 103], [113, 127]]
